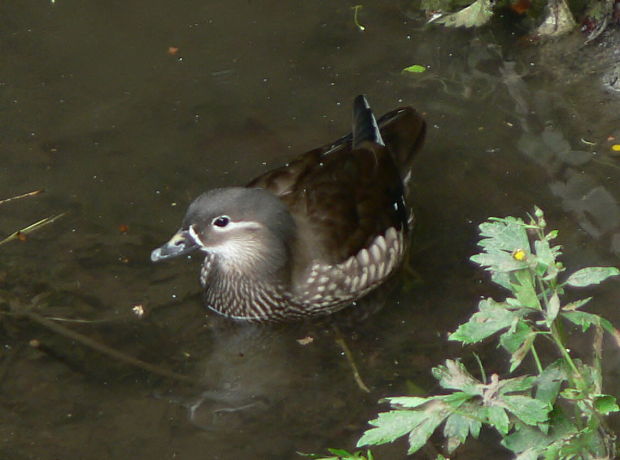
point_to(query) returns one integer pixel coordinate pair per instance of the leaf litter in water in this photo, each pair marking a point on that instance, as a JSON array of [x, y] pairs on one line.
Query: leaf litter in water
[[475, 15], [416, 68]]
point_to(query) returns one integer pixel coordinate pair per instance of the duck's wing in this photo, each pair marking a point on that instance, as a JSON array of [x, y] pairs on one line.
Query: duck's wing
[[344, 194]]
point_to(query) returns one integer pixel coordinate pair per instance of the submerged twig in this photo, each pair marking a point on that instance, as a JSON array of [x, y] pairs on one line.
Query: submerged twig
[[345, 348], [23, 195], [20, 234], [104, 349]]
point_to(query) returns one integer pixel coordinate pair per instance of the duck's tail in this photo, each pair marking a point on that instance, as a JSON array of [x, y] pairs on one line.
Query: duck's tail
[[401, 130], [365, 127]]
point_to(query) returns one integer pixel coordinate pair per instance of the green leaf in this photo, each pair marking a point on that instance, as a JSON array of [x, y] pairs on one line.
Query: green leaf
[[606, 404], [492, 318], [530, 454], [576, 304], [546, 255], [416, 68], [523, 438], [501, 278], [548, 383], [585, 320], [408, 402], [455, 431], [318, 456], [499, 261], [454, 376], [419, 436], [498, 418], [553, 307], [341, 452], [522, 383], [591, 275], [528, 410], [524, 290], [512, 339], [391, 426], [459, 425], [504, 234]]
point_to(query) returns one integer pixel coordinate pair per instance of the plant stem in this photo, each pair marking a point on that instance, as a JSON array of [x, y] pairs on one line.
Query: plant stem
[[536, 359]]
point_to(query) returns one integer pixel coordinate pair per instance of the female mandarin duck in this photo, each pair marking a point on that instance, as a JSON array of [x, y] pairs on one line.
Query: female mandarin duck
[[311, 237]]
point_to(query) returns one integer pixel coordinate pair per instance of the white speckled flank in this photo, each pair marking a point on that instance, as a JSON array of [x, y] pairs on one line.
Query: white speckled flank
[[330, 287], [327, 288]]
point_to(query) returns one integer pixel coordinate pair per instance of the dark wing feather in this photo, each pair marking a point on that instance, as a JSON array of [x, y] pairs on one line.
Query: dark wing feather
[[344, 197]]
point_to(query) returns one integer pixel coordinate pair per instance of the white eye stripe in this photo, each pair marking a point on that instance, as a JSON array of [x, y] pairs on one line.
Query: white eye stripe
[[237, 225], [195, 236]]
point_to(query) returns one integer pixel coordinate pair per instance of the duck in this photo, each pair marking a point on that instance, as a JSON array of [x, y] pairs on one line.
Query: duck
[[314, 235]]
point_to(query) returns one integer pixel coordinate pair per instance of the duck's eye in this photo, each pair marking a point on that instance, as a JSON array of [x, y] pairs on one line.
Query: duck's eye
[[221, 221]]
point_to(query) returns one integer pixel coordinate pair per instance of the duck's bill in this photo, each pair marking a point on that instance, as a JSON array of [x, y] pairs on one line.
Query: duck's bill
[[180, 243]]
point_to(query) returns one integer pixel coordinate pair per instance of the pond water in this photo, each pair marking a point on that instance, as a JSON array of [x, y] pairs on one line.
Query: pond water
[[124, 111]]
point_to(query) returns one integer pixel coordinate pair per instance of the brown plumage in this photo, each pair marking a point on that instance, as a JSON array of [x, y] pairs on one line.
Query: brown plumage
[[310, 237]]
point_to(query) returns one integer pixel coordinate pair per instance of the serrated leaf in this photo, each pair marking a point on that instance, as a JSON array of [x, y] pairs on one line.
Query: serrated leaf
[[522, 383], [585, 320], [408, 402], [492, 318], [591, 275], [553, 307], [456, 430], [512, 339], [454, 376], [390, 426], [462, 424], [454, 400], [499, 261], [530, 454], [506, 234], [524, 290], [502, 279], [341, 454], [498, 418], [523, 439], [419, 436], [530, 411], [576, 304], [548, 383], [606, 404], [545, 253]]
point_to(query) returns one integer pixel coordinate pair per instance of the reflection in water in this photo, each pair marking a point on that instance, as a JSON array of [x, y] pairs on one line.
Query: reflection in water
[[123, 134], [581, 193]]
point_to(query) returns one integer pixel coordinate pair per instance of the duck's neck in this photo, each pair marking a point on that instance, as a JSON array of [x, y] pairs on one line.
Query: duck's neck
[[255, 294]]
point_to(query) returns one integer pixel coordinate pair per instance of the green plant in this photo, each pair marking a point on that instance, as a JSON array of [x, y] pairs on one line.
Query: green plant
[[560, 412], [341, 454]]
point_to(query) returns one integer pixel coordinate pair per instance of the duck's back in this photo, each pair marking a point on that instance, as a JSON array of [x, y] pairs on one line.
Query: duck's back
[[344, 194]]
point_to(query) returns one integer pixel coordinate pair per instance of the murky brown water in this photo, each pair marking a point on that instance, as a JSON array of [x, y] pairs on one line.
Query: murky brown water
[[121, 132]]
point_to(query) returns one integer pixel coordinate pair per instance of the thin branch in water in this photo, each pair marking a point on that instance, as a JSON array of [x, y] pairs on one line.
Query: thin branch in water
[[356, 375], [21, 234], [23, 195], [104, 349]]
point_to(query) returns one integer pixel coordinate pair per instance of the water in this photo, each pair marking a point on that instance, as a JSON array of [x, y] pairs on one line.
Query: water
[[122, 130]]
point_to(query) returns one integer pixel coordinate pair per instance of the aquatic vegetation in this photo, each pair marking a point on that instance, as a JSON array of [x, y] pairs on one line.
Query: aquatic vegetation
[[554, 17], [558, 413]]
